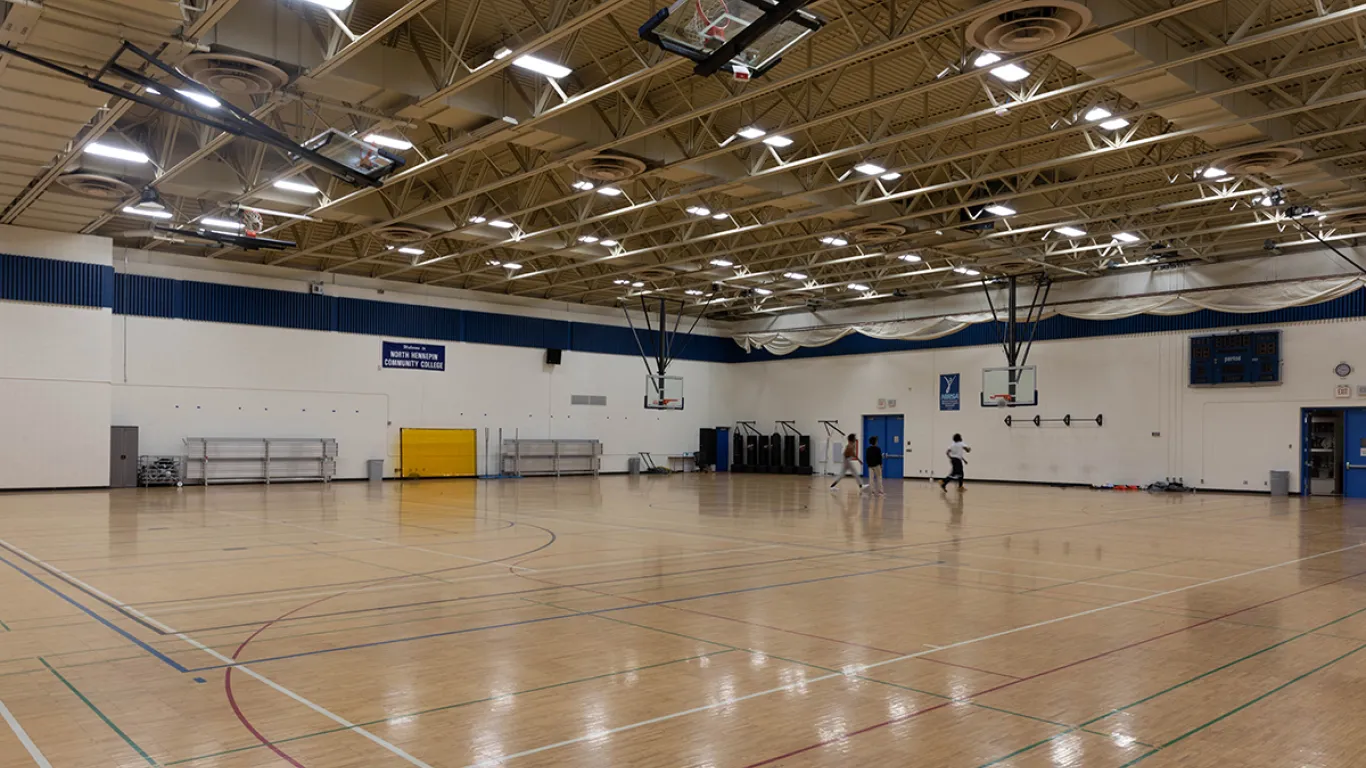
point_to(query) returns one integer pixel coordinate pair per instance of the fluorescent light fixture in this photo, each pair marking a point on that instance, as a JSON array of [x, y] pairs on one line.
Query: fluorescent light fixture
[[501, 224], [1127, 237], [502, 53], [202, 99], [996, 209], [1070, 231], [858, 287], [494, 263], [621, 282], [693, 292], [587, 239], [835, 241], [1114, 125], [411, 251], [794, 275], [1010, 73], [332, 5], [698, 210], [638, 284], [1096, 114], [117, 153], [153, 91], [893, 176], [149, 212], [986, 59], [969, 271], [869, 169], [297, 186], [1266, 202], [763, 291], [909, 257], [281, 214], [540, 66], [220, 223], [477, 219], [582, 186], [380, 140], [1213, 173], [778, 141], [750, 132], [722, 263], [609, 191], [719, 216], [609, 243], [511, 265]]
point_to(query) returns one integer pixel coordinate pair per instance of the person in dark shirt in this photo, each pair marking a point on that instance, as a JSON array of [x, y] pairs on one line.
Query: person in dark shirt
[[874, 463]]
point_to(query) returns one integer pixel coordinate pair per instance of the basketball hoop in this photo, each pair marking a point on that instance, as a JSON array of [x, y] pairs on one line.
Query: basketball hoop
[[1002, 401]]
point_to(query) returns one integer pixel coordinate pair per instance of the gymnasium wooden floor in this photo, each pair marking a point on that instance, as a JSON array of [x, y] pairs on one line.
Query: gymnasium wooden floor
[[679, 621]]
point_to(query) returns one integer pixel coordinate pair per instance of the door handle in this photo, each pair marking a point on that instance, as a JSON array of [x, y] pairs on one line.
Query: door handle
[[1350, 465]]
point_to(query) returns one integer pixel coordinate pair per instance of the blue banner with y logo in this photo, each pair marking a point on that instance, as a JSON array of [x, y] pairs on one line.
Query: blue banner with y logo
[[948, 391]]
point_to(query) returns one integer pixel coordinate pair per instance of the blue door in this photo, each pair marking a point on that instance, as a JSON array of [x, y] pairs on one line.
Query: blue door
[[723, 449], [890, 434], [1354, 455]]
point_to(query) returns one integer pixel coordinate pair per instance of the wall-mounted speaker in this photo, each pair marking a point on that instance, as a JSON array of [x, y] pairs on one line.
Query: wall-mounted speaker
[[552, 356]]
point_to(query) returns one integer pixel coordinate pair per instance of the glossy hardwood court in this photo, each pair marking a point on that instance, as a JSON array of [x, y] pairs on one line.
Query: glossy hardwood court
[[688, 620]]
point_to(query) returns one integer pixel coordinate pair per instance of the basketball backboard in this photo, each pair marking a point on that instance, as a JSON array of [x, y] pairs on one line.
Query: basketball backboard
[[664, 393], [743, 37], [362, 158], [1019, 385]]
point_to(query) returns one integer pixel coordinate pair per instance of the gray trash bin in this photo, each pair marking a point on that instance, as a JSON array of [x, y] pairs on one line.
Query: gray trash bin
[[1280, 482], [374, 470], [633, 465]]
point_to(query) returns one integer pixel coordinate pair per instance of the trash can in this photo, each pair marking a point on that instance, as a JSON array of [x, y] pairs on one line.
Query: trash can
[[1280, 482], [633, 465], [374, 470]]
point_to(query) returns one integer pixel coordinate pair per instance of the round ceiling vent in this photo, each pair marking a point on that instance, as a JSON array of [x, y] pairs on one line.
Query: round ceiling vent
[[1258, 161], [399, 233], [608, 167], [875, 233], [653, 275], [1028, 26], [233, 74], [97, 185]]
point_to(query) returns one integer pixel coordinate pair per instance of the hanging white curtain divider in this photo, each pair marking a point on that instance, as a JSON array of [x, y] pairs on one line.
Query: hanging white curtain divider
[[1258, 298]]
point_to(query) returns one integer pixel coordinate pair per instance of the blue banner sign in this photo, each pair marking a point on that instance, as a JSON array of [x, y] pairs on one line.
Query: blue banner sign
[[948, 391], [422, 357]]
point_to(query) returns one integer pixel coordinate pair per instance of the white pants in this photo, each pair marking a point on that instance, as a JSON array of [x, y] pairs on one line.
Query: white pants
[[850, 468], [875, 477]]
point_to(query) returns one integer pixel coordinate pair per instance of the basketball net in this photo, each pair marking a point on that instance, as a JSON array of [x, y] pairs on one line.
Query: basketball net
[[251, 223]]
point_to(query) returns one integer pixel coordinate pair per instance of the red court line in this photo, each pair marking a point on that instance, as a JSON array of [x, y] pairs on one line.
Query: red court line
[[1035, 676]]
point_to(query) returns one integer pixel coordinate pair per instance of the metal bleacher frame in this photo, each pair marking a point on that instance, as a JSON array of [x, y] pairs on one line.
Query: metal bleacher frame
[[260, 459], [533, 458]]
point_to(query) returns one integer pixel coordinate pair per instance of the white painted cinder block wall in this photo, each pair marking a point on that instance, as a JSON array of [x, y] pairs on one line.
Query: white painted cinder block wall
[[54, 377], [1226, 438]]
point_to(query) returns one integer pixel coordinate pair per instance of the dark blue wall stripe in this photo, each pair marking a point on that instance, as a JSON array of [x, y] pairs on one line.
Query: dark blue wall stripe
[[47, 281], [25, 278]]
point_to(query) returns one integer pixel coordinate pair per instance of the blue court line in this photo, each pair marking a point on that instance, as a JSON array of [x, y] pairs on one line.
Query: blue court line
[[254, 662], [144, 646]]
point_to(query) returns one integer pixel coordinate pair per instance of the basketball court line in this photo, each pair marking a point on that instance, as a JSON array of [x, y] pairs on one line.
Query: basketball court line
[[950, 646], [468, 630], [23, 737], [167, 630], [368, 538]]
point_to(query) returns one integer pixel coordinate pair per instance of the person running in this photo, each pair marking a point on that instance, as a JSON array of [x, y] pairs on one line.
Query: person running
[[957, 454], [851, 460], [875, 466]]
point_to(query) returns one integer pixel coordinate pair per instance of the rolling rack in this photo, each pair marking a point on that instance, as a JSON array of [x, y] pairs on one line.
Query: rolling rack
[[260, 459], [553, 458], [161, 470]]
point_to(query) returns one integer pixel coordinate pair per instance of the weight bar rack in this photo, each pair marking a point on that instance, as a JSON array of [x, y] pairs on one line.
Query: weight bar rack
[[1067, 420]]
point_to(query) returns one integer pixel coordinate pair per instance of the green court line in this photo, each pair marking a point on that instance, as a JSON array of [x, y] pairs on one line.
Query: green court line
[[457, 705], [828, 669], [1242, 707], [100, 714], [6, 626], [1187, 682], [1096, 579]]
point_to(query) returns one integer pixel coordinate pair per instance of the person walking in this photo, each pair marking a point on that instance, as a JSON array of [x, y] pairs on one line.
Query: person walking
[[957, 453], [874, 464], [851, 462]]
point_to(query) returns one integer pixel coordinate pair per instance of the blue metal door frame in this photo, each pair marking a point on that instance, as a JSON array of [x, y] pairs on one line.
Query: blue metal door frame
[[1353, 467]]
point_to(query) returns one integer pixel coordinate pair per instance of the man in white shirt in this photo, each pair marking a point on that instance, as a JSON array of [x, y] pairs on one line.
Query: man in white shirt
[[957, 454]]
